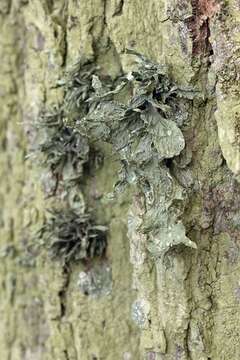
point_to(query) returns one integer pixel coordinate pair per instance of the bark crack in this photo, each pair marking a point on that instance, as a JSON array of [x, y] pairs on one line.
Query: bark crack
[[104, 13], [119, 9], [63, 292], [198, 25]]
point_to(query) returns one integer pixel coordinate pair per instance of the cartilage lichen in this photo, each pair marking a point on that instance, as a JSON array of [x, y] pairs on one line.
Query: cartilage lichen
[[78, 85]]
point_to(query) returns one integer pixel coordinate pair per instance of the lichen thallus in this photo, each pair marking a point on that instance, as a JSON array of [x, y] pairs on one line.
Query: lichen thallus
[[140, 115]]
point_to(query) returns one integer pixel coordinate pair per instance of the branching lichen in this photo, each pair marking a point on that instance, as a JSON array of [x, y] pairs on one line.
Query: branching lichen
[[63, 150], [70, 233], [71, 236], [79, 87]]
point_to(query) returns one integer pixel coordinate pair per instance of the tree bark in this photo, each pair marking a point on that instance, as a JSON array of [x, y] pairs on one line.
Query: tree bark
[[184, 305]]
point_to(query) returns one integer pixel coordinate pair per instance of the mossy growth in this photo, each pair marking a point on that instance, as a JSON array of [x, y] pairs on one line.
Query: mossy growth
[[70, 236]]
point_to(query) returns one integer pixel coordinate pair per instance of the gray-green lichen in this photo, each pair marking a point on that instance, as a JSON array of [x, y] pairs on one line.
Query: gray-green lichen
[[71, 236], [70, 233], [62, 150], [145, 132]]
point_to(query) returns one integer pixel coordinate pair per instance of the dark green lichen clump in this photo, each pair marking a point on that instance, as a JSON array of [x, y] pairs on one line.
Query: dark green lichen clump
[[63, 150], [70, 233], [71, 236], [79, 87]]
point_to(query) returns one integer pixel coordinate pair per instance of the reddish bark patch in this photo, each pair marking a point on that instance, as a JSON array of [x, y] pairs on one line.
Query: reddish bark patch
[[198, 25]]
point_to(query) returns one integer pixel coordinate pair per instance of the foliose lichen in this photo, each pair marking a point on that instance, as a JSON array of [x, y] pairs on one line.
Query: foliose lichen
[[78, 85], [140, 114], [145, 133]]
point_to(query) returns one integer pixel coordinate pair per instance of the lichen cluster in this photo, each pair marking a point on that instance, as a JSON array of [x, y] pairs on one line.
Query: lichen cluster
[[73, 236], [145, 133], [62, 149], [69, 232]]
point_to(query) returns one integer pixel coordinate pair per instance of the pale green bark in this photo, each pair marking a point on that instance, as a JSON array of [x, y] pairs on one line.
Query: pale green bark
[[189, 299]]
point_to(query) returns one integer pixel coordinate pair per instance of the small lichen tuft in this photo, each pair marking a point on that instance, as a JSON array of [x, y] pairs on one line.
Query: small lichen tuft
[[62, 150], [78, 85], [71, 236]]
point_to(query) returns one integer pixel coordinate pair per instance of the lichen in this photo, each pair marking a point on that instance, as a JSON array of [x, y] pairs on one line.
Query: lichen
[[140, 312], [78, 86], [97, 281], [71, 236], [61, 150], [145, 131]]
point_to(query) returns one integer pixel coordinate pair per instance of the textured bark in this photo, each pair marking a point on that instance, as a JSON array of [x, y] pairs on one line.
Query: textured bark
[[184, 305]]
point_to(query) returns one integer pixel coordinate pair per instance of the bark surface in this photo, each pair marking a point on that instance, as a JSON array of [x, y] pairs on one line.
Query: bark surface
[[184, 305]]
